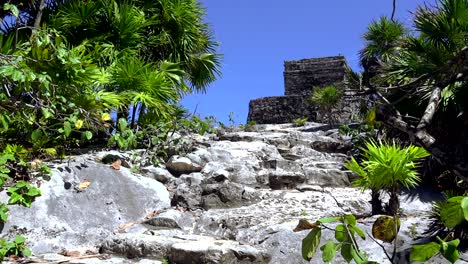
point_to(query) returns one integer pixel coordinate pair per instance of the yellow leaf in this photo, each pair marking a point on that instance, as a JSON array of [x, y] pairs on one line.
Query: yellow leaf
[[105, 117], [84, 185], [78, 124]]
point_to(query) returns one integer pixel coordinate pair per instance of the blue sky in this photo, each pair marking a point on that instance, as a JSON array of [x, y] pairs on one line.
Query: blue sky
[[257, 36]]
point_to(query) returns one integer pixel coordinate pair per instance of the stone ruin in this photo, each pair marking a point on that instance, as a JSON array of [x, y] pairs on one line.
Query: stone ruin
[[300, 77]]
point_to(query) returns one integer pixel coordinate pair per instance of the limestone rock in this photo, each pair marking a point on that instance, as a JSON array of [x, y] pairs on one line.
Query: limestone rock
[[72, 217], [182, 165]]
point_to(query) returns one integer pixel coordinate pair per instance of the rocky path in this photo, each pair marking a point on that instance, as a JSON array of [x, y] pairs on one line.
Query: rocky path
[[234, 199]]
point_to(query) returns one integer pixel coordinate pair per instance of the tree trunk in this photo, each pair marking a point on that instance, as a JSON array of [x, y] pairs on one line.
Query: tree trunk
[[376, 202], [394, 202]]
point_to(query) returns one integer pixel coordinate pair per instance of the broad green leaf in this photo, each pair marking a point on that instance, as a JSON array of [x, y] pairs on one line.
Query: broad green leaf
[[329, 251], [26, 252], [358, 231], [359, 258], [20, 240], [67, 128], [310, 243], [464, 205], [88, 135], [449, 250], [452, 212], [50, 151], [424, 252], [123, 124], [340, 233], [350, 220], [46, 113], [346, 252], [326, 220], [36, 135]]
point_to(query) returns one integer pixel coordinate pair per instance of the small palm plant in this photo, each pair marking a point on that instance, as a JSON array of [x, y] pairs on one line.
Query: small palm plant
[[387, 167], [328, 99]]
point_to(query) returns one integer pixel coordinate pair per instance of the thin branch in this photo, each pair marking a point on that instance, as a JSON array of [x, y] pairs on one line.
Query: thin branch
[[382, 246], [393, 11]]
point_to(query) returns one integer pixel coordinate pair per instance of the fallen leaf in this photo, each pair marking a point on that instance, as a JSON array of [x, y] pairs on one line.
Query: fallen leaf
[[36, 163], [84, 185], [127, 225], [116, 164], [304, 225], [152, 214], [70, 253]]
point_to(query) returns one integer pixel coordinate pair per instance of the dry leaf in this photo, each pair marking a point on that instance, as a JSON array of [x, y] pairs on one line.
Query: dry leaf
[[152, 214], [84, 185], [70, 253], [127, 225], [116, 164], [304, 225]]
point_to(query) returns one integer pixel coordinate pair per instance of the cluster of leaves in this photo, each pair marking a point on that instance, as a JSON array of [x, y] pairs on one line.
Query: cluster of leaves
[[300, 121], [14, 171], [14, 248], [130, 58], [387, 167], [450, 218], [345, 236], [327, 99], [385, 228]]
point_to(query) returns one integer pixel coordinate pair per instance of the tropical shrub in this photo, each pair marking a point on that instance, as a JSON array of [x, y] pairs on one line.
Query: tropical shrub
[[327, 99], [387, 167]]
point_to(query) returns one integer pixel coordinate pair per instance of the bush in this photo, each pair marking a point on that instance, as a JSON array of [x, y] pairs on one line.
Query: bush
[[328, 99]]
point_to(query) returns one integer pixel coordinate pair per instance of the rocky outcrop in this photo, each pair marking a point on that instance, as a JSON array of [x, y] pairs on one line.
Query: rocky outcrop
[[235, 198]]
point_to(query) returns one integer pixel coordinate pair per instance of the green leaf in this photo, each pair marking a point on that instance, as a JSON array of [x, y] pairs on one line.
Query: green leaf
[[67, 128], [340, 233], [122, 124], [449, 250], [359, 257], [88, 135], [350, 220], [358, 231], [346, 252], [26, 252], [20, 240], [329, 251], [46, 113], [452, 213], [36, 135], [326, 220], [424, 252], [464, 205], [12, 8], [310, 243]]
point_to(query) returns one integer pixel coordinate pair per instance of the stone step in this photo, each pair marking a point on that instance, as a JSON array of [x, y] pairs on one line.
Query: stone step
[[184, 249]]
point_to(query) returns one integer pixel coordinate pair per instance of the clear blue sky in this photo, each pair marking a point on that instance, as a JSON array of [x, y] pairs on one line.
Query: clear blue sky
[[257, 36]]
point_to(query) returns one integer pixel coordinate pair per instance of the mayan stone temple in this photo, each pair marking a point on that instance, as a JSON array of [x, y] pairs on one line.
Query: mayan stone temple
[[300, 77]]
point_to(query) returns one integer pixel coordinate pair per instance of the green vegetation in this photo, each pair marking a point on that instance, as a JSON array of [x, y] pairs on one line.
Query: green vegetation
[[300, 121], [385, 228], [328, 99], [387, 167], [68, 67]]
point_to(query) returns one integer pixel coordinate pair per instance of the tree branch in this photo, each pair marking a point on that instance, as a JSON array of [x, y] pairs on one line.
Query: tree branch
[[393, 11]]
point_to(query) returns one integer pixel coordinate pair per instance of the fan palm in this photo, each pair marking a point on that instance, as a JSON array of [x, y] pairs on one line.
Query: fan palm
[[382, 43], [160, 49], [387, 167]]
